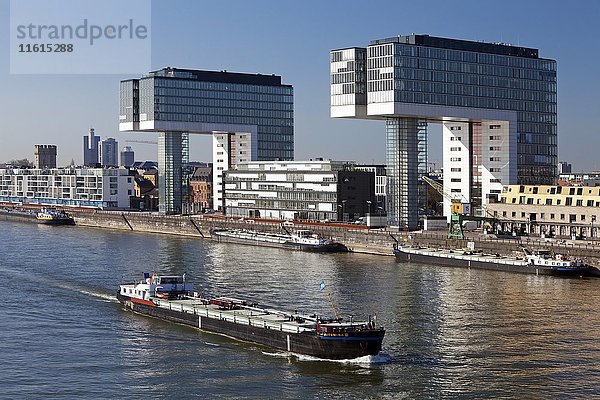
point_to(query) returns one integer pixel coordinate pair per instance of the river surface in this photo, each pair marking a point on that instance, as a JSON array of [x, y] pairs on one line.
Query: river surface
[[451, 332]]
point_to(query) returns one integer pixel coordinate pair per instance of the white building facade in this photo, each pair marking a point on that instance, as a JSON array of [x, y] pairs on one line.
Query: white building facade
[[304, 190], [229, 151], [82, 187]]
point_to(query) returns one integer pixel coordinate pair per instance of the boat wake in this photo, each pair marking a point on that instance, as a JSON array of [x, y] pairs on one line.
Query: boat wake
[[379, 359], [109, 298], [36, 278]]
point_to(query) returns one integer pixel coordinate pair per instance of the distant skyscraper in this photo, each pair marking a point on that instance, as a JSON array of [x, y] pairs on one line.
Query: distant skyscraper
[[90, 148], [127, 157], [45, 156], [564, 167], [108, 153]]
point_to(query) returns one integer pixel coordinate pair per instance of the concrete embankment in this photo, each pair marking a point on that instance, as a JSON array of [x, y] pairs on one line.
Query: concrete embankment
[[358, 239]]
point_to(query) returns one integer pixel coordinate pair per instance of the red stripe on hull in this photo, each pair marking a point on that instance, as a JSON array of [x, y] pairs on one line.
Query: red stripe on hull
[[142, 301]]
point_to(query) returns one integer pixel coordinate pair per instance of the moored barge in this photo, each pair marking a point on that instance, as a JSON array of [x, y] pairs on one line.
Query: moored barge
[[540, 262], [304, 240], [172, 298]]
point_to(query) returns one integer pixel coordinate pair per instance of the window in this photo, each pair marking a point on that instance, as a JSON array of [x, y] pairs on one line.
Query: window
[[495, 126], [456, 191], [455, 158], [495, 137], [455, 180], [548, 202], [455, 128], [582, 217], [562, 216], [495, 159], [551, 216], [495, 170], [495, 148], [455, 169], [495, 180], [579, 203], [514, 214], [454, 138], [569, 201], [454, 148]]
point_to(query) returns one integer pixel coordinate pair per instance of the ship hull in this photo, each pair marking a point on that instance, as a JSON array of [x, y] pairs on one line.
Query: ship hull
[[306, 343], [324, 248], [56, 221], [491, 265]]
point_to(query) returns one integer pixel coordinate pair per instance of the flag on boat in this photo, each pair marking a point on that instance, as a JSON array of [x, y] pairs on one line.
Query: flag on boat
[[322, 286]]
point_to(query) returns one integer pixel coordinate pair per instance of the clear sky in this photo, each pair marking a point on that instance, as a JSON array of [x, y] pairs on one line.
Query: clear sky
[[293, 39]]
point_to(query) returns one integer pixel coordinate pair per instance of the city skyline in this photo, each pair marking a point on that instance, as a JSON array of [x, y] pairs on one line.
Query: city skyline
[[262, 38]]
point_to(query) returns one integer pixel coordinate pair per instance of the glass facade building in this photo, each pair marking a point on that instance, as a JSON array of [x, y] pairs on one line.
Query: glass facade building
[[444, 80], [210, 102]]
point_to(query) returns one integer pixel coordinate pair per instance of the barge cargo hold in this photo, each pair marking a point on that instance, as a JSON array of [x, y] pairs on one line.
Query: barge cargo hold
[[171, 298], [537, 263]]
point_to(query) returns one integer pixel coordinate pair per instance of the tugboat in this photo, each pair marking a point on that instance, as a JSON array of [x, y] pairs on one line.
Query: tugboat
[[172, 298], [54, 217]]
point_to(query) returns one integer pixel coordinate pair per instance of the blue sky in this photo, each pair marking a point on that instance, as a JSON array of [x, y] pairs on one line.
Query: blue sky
[[293, 39]]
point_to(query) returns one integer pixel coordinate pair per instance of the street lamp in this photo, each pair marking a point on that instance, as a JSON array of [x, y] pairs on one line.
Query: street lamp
[[369, 205], [592, 227]]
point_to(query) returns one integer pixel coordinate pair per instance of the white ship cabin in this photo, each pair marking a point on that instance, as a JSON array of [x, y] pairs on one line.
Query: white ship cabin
[[157, 286], [545, 258], [306, 237]]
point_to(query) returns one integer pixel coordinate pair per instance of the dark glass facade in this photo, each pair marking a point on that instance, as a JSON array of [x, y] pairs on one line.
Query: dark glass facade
[[413, 69], [190, 96]]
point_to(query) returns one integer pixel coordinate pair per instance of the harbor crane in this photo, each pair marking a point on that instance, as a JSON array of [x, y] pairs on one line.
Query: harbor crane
[[460, 210]]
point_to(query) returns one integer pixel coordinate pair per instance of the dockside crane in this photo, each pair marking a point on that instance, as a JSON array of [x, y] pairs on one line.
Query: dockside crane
[[460, 210]]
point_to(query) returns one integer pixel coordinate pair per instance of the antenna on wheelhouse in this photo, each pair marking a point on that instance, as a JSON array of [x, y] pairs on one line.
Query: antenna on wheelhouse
[[323, 287]]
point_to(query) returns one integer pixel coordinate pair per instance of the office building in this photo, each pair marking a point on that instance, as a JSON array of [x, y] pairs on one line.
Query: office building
[[229, 151], [496, 103], [104, 188], [305, 190], [45, 156], [91, 144], [127, 157], [380, 186], [108, 153], [177, 102]]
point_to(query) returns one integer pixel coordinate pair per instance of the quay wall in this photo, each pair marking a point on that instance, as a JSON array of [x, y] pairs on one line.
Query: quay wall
[[357, 238]]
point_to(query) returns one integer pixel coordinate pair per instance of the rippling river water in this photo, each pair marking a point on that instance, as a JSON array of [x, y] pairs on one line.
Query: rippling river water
[[451, 333]]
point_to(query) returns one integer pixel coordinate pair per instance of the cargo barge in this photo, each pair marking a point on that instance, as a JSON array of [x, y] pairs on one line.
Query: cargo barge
[[304, 240], [540, 262], [171, 298]]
